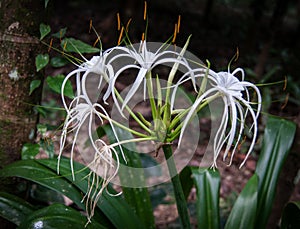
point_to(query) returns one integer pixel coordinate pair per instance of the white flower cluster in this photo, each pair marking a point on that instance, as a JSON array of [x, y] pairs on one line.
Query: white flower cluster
[[109, 67]]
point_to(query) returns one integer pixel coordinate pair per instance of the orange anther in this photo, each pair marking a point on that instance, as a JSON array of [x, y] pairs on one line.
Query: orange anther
[[91, 25], [128, 23], [145, 10], [175, 33], [121, 34], [178, 23], [119, 21]]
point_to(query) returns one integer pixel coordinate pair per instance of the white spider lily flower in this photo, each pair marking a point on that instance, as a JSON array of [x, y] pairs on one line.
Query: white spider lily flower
[[97, 184], [237, 105], [80, 111], [144, 60], [97, 65]]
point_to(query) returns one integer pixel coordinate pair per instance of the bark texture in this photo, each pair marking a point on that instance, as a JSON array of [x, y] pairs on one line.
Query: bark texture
[[19, 44]]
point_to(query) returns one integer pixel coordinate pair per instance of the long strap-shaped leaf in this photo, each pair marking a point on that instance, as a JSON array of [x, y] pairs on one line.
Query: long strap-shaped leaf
[[114, 208], [137, 197], [207, 183], [243, 213], [278, 139], [44, 172], [57, 216], [13, 208]]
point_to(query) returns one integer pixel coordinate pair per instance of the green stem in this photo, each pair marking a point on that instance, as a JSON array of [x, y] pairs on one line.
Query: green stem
[[178, 191], [151, 95]]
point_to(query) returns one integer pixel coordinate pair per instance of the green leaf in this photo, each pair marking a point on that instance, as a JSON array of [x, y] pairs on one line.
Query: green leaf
[[29, 151], [55, 83], [43, 172], [41, 61], [73, 45], [58, 61], [291, 216], [114, 208], [34, 171], [60, 34], [207, 182], [57, 216], [244, 209], [41, 110], [137, 197], [44, 30], [186, 180], [45, 195], [13, 208], [34, 85], [277, 141]]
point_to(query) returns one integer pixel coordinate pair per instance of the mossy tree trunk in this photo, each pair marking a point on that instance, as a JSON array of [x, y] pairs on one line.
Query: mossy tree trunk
[[19, 44]]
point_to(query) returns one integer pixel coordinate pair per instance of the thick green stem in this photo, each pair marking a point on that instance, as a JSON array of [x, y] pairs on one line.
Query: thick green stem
[[178, 191]]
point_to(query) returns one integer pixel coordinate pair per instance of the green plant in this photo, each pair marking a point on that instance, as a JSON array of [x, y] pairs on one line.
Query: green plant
[[109, 146]]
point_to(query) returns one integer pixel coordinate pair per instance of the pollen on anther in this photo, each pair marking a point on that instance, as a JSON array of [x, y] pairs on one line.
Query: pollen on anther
[[119, 21], [91, 25], [121, 34], [97, 40], [143, 36], [175, 33], [178, 23], [128, 23], [145, 10]]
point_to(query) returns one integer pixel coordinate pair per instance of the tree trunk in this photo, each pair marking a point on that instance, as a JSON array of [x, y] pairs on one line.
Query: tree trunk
[[19, 44]]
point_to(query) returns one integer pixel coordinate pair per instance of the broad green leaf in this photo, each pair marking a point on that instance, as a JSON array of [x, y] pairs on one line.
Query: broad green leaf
[[45, 195], [43, 172], [13, 208], [34, 85], [56, 82], [291, 216], [73, 45], [57, 216], [60, 34], [207, 182], [58, 61], [114, 208], [41, 61], [29, 151], [137, 197], [244, 210], [186, 180], [277, 141], [34, 171], [44, 30]]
